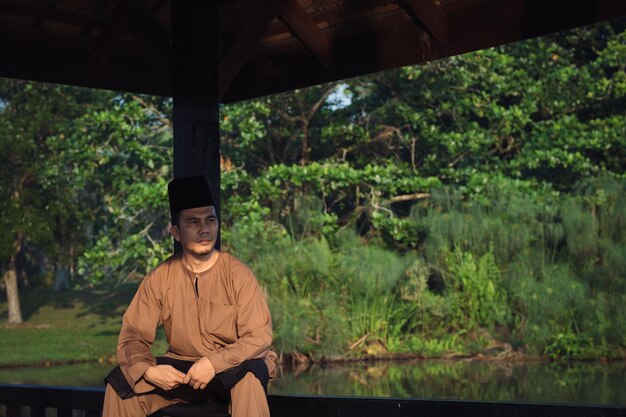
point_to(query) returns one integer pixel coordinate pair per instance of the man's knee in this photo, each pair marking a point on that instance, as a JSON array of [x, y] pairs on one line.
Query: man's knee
[[248, 398], [249, 385]]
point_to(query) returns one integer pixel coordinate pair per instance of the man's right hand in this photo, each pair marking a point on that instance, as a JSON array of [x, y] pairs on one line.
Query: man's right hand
[[165, 377]]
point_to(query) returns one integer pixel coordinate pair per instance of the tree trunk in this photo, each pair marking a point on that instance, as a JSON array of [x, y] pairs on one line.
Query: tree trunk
[[13, 298], [62, 278]]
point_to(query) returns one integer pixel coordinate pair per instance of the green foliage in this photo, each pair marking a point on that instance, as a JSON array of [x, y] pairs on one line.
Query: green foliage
[[81, 163], [103, 159], [566, 346], [306, 306], [370, 276], [33, 198], [474, 290], [551, 303]]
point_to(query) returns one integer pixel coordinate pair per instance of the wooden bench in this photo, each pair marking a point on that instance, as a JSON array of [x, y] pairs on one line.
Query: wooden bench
[[33, 400]]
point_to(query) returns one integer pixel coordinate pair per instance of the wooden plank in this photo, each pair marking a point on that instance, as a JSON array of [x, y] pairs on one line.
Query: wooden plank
[[64, 412], [314, 406], [52, 397], [37, 411], [13, 410]]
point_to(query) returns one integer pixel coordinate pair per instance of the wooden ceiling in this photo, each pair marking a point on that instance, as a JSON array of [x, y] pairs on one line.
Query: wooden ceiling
[[266, 46]]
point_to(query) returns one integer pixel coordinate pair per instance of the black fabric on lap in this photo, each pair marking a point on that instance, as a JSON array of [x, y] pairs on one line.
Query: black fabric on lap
[[118, 382], [258, 367], [218, 388]]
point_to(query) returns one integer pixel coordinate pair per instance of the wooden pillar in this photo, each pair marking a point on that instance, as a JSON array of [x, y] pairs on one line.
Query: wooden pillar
[[196, 109]]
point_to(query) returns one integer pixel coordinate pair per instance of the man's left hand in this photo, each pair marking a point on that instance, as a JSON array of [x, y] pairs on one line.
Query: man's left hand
[[200, 374]]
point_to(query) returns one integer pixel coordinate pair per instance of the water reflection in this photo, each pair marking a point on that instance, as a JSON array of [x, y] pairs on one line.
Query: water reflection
[[583, 383], [586, 383]]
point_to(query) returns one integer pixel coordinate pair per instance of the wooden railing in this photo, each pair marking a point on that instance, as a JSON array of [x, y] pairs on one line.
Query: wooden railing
[[33, 400]]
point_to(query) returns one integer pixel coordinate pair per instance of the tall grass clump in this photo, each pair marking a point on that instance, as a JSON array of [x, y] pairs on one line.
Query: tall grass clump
[[369, 277], [556, 262]]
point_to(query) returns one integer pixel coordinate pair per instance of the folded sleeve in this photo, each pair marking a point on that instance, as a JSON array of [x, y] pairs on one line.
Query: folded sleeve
[[139, 326]]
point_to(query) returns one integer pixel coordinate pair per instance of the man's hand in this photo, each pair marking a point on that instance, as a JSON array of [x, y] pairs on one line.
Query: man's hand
[[165, 377], [200, 374]]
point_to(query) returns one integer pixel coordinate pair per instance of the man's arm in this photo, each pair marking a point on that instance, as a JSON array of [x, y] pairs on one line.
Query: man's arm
[[138, 332]]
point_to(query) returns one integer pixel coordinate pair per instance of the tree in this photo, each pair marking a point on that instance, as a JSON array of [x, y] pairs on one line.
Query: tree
[[280, 129], [122, 157], [32, 199], [80, 167], [547, 110]]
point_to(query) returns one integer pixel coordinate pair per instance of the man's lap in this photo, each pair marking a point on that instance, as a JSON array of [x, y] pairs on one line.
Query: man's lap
[[218, 389]]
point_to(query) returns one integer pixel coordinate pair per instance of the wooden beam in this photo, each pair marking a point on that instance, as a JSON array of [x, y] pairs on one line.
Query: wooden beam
[[42, 37], [307, 31], [432, 16], [84, 20], [195, 106], [253, 27], [44, 57]]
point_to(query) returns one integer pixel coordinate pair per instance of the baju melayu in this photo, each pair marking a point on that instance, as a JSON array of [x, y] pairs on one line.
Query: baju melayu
[[220, 314]]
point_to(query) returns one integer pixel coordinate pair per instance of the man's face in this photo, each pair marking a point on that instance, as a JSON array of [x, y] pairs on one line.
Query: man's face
[[197, 230]]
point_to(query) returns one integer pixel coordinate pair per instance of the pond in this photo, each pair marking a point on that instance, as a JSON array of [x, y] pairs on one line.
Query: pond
[[580, 383]]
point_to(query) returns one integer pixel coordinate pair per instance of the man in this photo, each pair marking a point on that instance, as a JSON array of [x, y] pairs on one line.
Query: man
[[215, 318]]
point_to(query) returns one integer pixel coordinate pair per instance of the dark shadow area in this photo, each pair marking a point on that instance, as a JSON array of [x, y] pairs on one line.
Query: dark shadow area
[[110, 303], [104, 302], [545, 16]]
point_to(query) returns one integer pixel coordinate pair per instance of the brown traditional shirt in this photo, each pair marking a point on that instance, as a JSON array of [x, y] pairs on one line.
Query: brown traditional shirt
[[220, 313]]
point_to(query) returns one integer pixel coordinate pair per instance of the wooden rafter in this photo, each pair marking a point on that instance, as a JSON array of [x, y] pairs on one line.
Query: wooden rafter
[[254, 26], [155, 39], [103, 47], [358, 28], [432, 16], [332, 14], [397, 45], [307, 31]]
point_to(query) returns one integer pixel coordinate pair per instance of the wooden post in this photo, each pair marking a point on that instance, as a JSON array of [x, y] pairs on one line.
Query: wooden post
[[196, 109]]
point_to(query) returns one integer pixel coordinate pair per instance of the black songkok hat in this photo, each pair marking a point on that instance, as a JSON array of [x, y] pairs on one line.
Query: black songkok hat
[[189, 192]]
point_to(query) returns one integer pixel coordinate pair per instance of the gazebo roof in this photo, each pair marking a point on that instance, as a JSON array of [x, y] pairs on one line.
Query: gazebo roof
[[266, 46]]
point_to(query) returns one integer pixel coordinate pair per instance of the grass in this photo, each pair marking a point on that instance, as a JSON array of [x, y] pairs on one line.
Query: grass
[[65, 327]]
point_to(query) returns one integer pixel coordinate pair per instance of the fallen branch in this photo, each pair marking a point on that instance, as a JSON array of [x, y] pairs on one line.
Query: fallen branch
[[407, 197]]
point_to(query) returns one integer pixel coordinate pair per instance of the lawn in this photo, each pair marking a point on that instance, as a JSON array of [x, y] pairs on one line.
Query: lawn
[[62, 327]]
